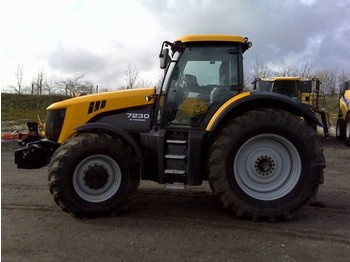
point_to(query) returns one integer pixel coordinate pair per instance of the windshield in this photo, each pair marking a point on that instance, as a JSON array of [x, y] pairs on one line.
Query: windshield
[[287, 88], [203, 76], [264, 86]]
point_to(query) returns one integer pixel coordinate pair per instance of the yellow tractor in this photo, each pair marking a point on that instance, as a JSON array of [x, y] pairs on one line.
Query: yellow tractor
[[343, 122], [261, 159], [306, 90]]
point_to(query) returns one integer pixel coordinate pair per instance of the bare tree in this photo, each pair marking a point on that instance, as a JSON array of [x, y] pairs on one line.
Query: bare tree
[[76, 85], [260, 70], [49, 85], [19, 77], [38, 83], [144, 83], [87, 87], [342, 78], [286, 71], [305, 70], [328, 79], [131, 75]]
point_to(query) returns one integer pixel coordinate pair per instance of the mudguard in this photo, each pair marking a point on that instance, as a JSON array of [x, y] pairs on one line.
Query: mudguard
[[119, 132], [248, 100]]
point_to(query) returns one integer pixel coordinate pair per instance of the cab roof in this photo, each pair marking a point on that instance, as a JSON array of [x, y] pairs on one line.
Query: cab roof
[[281, 78], [286, 78], [211, 38]]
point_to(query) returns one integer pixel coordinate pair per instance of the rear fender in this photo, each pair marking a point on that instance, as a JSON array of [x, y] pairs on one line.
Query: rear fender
[[250, 100]]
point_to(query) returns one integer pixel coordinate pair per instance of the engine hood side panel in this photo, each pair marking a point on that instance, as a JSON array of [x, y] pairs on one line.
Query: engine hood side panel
[[84, 109]]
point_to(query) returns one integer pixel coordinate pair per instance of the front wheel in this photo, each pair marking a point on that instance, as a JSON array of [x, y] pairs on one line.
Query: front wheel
[[93, 174], [266, 164]]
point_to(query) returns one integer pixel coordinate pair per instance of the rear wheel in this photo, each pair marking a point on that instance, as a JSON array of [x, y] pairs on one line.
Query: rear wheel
[[266, 164], [93, 175], [340, 129], [347, 130]]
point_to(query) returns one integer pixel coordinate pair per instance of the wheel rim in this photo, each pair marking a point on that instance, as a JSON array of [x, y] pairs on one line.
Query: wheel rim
[[337, 129], [97, 178], [347, 130], [267, 167]]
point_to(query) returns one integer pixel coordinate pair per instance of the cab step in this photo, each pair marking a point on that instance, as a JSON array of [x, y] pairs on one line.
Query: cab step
[[176, 186], [175, 158], [174, 172]]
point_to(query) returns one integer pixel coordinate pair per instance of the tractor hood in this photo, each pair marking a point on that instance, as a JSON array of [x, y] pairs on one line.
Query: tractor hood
[[64, 117], [107, 101]]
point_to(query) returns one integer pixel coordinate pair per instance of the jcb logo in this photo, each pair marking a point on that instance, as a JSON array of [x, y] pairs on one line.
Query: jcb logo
[[97, 105]]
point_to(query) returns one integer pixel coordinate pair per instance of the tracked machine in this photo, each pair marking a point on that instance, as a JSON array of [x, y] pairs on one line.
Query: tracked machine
[[258, 151]]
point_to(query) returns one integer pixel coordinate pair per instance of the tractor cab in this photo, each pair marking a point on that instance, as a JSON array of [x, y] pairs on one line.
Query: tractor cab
[[202, 72]]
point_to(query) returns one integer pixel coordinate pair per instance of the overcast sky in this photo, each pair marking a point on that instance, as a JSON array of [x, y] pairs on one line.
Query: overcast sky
[[100, 38]]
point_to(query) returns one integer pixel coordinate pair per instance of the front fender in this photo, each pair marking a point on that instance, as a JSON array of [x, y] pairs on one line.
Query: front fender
[[250, 100], [103, 127]]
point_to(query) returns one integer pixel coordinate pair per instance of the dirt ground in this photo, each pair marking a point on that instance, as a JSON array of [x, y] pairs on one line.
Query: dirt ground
[[168, 225]]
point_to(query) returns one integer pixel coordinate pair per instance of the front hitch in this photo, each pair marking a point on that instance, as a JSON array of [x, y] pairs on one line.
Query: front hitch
[[35, 154]]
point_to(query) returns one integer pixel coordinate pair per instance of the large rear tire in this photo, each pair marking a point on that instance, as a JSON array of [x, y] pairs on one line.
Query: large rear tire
[[347, 130], [93, 174], [266, 164], [340, 129]]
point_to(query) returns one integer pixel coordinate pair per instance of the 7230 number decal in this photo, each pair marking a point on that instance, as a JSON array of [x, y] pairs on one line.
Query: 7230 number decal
[[137, 116]]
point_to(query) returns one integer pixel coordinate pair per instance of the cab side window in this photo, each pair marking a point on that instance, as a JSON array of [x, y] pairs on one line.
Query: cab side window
[[201, 77]]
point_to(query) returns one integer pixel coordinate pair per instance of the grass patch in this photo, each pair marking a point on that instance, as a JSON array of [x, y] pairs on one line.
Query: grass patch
[[17, 110]]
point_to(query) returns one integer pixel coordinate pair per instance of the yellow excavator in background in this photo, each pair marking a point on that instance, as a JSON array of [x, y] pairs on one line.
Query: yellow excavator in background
[[306, 90]]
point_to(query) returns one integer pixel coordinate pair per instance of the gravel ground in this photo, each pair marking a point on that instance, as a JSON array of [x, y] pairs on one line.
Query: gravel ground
[[168, 225]]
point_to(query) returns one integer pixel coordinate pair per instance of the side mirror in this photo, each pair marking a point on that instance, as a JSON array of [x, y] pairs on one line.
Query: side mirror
[[164, 58]]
